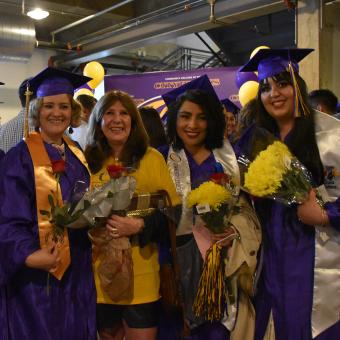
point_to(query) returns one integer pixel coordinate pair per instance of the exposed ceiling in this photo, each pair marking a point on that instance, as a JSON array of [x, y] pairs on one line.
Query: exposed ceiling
[[118, 29]]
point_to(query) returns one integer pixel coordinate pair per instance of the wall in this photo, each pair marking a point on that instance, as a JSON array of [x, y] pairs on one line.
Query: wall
[[12, 74]]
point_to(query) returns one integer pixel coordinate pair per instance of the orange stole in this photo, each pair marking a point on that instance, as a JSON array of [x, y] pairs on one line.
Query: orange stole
[[45, 182]]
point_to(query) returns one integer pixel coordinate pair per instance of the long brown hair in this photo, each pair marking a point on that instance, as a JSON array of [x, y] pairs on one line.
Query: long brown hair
[[98, 149]]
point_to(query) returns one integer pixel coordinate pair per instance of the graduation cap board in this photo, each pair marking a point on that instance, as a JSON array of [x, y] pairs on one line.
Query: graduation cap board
[[52, 81], [230, 106], [269, 62], [202, 83]]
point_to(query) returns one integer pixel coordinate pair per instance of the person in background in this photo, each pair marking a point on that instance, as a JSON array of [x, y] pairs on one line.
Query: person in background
[[323, 100], [246, 117], [87, 104], [46, 283], [195, 129], [11, 133], [231, 112], [116, 134], [153, 126], [297, 295]]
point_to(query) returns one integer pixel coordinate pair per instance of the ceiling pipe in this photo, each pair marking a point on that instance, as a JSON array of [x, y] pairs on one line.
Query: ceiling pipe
[[115, 41], [223, 62], [142, 19], [90, 17], [17, 38]]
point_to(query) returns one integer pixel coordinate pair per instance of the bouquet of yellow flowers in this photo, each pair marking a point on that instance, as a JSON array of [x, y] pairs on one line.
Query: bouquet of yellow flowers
[[275, 173], [214, 201]]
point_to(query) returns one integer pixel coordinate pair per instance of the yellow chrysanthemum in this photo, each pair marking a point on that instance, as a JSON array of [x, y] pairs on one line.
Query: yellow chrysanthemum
[[208, 193], [265, 173]]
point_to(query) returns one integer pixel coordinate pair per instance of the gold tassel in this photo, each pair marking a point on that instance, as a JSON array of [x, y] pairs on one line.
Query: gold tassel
[[211, 294], [297, 93], [28, 94]]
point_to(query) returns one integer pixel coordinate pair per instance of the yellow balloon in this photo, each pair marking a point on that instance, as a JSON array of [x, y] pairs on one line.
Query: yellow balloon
[[248, 91], [82, 91], [95, 71], [257, 49]]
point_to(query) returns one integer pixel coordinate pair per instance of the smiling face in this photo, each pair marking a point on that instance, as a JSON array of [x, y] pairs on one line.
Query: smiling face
[[230, 121], [278, 100], [54, 117], [191, 125], [116, 126]]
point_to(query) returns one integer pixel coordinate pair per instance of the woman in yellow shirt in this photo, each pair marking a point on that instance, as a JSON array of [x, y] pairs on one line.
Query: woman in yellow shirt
[[116, 132]]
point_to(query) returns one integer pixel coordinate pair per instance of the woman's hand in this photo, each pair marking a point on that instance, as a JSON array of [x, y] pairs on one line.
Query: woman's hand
[[310, 212], [45, 258], [119, 226], [226, 238]]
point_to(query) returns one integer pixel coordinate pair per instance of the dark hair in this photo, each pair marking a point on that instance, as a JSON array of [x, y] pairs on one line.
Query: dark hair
[[98, 149], [214, 115], [246, 116], [153, 125], [22, 90], [301, 140], [325, 97], [86, 101]]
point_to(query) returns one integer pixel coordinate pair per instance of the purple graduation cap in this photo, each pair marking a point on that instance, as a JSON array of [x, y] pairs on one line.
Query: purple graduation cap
[[52, 81], [269, 62], [230, 106], [202, 83]]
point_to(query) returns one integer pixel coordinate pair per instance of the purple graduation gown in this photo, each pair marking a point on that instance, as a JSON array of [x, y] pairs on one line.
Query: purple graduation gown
[[287, 276], [199, 173], [26, 311]]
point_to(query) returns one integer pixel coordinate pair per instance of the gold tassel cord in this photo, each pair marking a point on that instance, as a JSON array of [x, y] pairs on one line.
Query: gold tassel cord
[[28, 94], [297, 93], [211, 294]]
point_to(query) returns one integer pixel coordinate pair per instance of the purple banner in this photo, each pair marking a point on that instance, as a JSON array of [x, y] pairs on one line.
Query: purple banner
[[147, 88]]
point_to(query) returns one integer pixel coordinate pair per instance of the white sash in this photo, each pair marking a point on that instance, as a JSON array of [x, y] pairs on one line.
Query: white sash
[[326, 295]]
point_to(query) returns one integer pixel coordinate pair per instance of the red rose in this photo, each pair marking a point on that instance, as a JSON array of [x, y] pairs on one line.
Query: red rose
[[115, 170], [220, 178], [58, 166]]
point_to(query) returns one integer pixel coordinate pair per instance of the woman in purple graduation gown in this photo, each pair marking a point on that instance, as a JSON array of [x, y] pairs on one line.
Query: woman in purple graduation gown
[[195, 129], [298, 294], [47, 287]]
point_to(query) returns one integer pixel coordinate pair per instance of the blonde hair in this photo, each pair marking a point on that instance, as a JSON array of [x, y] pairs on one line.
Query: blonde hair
[[36, 105]]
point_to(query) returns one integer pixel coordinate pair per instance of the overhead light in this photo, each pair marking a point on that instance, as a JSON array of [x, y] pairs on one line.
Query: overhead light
[[38, 14]]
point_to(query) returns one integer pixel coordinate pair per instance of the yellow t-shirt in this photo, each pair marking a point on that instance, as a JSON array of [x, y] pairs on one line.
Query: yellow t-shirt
[[152, 175]]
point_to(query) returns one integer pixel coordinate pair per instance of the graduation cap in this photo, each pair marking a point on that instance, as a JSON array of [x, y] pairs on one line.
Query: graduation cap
[[202, 83], [52, 81], [230, 106], [269, 62]]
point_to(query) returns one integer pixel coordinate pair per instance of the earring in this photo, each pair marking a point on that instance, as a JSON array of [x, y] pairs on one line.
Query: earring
[[70, 130]]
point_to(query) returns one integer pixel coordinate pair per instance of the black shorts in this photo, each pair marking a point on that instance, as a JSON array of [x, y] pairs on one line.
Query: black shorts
[[144, 315]]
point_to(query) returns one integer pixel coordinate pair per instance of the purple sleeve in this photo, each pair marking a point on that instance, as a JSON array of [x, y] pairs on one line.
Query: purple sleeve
[[18, 222], [333, 212], [164, 150]]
